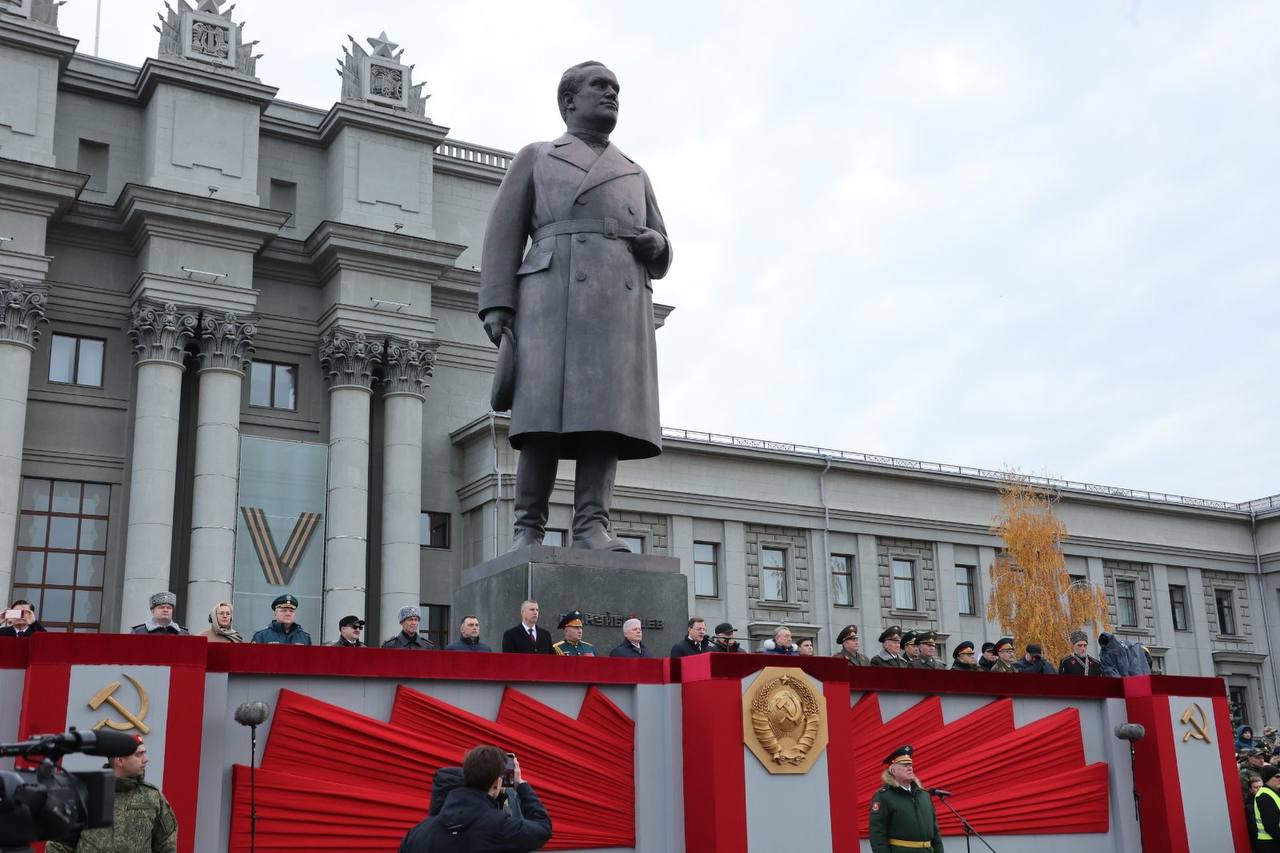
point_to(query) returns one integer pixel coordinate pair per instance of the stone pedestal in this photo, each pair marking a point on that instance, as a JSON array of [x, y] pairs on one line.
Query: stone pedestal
[[607, 587]]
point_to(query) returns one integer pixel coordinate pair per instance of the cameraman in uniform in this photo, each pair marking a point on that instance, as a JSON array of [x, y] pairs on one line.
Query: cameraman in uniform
[[143, 820]]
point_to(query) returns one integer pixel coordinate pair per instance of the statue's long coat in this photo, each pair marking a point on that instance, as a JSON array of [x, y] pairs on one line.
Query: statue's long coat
[[586, 359]]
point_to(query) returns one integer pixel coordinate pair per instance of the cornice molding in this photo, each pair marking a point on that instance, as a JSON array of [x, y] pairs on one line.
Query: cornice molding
[[210, 80], [381, 120], [336, 246], [145, 211], [41, 190], [21, 34]]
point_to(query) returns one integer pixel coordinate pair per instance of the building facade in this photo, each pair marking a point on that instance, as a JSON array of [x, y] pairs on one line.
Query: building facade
[[239, 355]]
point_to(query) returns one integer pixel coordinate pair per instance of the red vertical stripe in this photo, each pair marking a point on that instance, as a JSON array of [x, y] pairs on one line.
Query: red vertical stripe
[[840, 775], [183, 732], [1155, 771], [715, 783], [1230, 773]]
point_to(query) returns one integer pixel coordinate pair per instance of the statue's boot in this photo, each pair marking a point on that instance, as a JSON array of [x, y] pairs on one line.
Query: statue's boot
[[592, 497], [535, 478]]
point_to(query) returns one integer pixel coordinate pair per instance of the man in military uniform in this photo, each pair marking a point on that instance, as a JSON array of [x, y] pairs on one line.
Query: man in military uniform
[[572, 645], [1079, 662], [1006, 653], [890, 648], [143, 821], [349, 631], [284, 628], [902, 816], [962, 658], [929, 652], [848, 640], [161, 621], [911, 648], [409, 637]]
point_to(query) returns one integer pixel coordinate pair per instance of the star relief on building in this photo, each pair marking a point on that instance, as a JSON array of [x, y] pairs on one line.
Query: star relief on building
[[380, 78], [206, 34]]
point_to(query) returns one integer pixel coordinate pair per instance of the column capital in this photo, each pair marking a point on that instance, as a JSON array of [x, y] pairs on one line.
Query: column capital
[[348, 358], [226, 341], [22, 306], [409, 365], [160, 332]]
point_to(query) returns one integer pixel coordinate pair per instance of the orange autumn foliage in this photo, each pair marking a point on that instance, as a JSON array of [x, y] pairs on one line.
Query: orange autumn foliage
[[1032, 597]]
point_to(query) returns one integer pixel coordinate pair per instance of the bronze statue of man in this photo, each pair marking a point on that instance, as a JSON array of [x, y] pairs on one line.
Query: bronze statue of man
[[580, 306]]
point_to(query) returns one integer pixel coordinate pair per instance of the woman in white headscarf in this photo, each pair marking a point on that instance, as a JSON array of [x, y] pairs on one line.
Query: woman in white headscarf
[[220, 628]]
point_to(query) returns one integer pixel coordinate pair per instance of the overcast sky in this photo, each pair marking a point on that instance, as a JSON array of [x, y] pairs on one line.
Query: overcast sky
[[1031, 235]]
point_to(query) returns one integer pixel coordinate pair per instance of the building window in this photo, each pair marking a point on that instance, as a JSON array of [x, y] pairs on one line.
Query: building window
[[1157, 665], [635, 543], [966, 592], [904, 584], [92, 159], [1178, 607], [433, 529], [705, 565], [273, 385], [773, 574], [1226, 611], [76, 361], [435, 624], [1078, 580], [554, 537], [842, 580], [1238, 699], [62, 552], [1126, 604], [284, 197]]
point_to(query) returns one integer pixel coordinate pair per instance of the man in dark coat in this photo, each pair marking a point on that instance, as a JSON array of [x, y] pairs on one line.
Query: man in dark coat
[[1034, 663], [527, 638], [349, 631], [580, 307], [1079, 662], [284, 628], [472, 817], [161, 621], [468, 637], [25, 623], [902, 816], [848, 640], [632, 645], [911, 648], [409, 637], [963, 658], [988, 658], [695, 642]]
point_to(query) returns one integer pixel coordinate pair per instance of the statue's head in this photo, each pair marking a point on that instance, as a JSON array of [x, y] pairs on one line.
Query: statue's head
[[588, 97]]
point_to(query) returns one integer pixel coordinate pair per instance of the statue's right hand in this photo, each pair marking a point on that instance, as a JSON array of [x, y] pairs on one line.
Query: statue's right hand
[[495, 320]]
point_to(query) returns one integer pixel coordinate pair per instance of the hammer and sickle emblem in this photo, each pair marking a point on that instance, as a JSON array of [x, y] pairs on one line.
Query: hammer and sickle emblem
[[134, 720], [1199, 726]]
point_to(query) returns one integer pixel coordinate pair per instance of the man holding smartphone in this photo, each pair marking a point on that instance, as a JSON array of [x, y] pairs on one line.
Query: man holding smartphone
[[20, 620], [473, 818]]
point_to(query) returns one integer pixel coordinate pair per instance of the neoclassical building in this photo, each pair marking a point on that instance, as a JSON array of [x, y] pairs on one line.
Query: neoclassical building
[[239, 355]]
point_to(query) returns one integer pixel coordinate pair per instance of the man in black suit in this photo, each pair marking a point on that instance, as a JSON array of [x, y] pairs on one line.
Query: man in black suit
[[527, 638]]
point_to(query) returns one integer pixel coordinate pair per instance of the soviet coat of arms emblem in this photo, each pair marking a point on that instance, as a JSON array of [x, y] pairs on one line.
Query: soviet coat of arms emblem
[[784, 720]]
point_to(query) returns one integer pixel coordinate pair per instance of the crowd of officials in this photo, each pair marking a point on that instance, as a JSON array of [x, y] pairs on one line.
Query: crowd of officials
[[903, 649], [1259, 760]]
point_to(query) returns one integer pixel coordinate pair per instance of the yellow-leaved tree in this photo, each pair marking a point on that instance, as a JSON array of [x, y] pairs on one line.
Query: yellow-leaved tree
[[1032, 596]]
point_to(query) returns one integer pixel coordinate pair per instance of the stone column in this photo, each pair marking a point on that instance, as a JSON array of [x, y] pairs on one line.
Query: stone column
[[21, 309], [160, 334], [226, 344], [348, 360], [409, 365]]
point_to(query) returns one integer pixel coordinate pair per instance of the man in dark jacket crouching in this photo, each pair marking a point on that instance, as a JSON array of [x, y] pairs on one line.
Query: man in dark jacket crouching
[[472, 817]]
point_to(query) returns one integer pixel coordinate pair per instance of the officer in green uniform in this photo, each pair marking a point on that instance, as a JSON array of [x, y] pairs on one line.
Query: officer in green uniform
[[962, 657], [1006, 652], [572, 645], [890, 646], [848, 640], [902, 816], [911, 649], [143, 822], [929, 651]]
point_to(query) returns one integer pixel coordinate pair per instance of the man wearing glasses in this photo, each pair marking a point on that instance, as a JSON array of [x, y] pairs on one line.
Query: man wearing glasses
[[963, 658], [350, 629], [890, 649]]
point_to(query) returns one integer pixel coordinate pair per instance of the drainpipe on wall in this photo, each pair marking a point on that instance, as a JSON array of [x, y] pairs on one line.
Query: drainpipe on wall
[[1266, 607], [826, 533]]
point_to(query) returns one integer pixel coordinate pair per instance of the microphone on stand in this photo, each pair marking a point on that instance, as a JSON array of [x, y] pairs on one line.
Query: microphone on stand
[[938, 792], [252, 714]]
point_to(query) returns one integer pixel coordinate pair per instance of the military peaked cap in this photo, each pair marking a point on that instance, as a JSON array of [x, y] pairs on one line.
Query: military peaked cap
[[846, 633], [910, 638], [285, 600], [966, 646], [1003, 643], [901, 755], [572, 619], [929, 638], [893, 632]]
